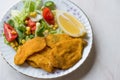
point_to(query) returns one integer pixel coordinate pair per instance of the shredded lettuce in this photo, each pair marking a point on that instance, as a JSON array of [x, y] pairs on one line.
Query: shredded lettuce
[[11, 22], [18, 17], [50, 4], [38, 4], [40, 28]]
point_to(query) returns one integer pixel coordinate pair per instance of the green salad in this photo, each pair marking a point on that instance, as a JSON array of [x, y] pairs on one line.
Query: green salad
[[35, 19]]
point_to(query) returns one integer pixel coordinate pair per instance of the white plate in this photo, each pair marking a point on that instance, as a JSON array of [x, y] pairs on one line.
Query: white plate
[[8, 53]]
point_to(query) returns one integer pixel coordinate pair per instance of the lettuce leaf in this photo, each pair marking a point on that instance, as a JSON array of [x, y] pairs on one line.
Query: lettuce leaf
[[18, 17]]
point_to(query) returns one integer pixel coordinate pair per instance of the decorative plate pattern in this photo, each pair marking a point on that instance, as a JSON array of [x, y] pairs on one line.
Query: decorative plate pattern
[[8, 53]]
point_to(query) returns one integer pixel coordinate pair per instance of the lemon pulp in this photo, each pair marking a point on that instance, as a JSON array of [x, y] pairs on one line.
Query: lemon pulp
[[70, 25]]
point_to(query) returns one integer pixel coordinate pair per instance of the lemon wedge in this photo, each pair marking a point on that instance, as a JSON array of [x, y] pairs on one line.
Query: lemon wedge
[[69, 24]]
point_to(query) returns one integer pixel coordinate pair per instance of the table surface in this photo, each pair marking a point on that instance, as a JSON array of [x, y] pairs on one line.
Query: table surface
[[103, 62]]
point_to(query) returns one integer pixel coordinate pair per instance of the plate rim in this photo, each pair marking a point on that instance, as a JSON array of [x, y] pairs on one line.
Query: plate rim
[[92, 39]]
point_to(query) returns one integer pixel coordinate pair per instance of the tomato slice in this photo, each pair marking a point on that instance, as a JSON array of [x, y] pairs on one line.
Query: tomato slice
[[33, 28], [10, 33], [31, 23], [48, 15]]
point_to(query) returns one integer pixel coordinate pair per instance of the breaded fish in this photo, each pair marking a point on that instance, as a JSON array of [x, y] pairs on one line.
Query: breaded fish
[[66, 53], [30, 47], [41, 60], [32, 63], [51, 39]]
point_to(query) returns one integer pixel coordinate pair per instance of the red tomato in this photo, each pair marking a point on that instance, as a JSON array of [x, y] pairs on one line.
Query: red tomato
[[33, 28], [10, 33], [48, 15], [31, 23]]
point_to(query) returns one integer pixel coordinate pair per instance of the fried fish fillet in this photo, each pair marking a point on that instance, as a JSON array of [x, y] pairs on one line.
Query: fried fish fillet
[[51, 39], [41, 60], [32, 63], [30, 47], [66, 53]]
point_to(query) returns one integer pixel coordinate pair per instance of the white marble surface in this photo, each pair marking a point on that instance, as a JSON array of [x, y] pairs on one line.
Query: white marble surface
[[103, 62]]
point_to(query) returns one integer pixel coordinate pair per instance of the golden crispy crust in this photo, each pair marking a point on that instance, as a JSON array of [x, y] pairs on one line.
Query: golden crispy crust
[[55, 51], [66, 53], [41, 60], [30, 47], [51, 40], [32, 63]]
